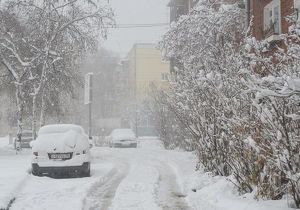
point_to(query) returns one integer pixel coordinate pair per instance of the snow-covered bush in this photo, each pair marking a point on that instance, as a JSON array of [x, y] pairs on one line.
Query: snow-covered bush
[[206, 95], [239, 102], [276, 85], [170, 130]]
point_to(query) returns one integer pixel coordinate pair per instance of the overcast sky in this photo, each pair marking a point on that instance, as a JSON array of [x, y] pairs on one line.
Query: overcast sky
[[136, 12]]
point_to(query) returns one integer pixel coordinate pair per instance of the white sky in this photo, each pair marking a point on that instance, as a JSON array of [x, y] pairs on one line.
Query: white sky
[[136, 12]]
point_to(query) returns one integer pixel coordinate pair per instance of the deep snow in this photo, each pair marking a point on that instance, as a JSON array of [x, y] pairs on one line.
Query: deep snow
[[148, 178]]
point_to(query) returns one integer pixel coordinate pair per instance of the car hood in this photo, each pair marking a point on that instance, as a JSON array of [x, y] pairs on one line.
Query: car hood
[[60, 142]]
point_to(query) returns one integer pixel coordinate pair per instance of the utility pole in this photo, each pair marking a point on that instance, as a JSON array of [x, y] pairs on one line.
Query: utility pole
[[90, 120], [88, 98], [135, 91]]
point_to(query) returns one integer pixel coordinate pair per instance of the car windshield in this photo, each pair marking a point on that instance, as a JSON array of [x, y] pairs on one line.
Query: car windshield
[[27, 134], [123, 132]]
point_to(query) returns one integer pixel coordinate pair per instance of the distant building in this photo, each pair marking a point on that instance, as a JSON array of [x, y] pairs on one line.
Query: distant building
[[142, 68], [146, 67]]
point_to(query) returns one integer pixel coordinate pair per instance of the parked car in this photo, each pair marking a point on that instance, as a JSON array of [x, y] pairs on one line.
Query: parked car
[[123, 138], [61, 149], [26, 138]]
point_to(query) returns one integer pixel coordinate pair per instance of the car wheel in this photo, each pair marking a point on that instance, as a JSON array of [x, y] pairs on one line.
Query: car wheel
[[35, 172], [86, 170], [87, 173]]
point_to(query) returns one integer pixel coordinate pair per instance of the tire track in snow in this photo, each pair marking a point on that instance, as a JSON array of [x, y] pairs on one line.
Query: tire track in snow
[[14, 194], [100, 196], [169, 194]]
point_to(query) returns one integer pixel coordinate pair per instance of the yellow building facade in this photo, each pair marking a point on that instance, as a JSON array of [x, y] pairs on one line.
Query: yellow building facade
[[147, 67]]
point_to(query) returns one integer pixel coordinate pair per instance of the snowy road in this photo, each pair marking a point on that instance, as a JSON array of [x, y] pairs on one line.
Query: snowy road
[[133, 179], [146, 178]]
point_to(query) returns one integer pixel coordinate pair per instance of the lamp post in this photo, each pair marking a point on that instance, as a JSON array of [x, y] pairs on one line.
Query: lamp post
[[88, 93]]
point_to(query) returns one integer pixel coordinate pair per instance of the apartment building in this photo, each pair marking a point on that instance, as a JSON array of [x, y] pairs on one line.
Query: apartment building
[[146, 67], [142, 67]]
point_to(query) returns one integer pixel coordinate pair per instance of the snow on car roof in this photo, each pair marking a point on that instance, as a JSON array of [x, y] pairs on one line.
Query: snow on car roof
[[60, 128], [122, 133], [26, 131]]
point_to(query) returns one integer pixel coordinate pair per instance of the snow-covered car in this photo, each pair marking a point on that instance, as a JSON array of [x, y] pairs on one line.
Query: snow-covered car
[[61, 149], [123, 138]]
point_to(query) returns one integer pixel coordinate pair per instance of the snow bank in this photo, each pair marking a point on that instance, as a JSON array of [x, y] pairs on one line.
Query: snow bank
[[150, 143], [4, 141], [218, 193], [203, 191], [13, 174]]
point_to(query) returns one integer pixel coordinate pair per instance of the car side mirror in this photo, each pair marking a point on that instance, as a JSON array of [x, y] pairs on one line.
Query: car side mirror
[[91, 143]]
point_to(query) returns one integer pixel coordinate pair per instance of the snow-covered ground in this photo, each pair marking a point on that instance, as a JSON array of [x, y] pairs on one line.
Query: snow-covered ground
[[13, 171], [4, 141], [146, 178]]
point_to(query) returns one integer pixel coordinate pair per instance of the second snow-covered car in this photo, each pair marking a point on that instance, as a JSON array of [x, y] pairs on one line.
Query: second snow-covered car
[[26, 138], [61, 149], [122, 138]]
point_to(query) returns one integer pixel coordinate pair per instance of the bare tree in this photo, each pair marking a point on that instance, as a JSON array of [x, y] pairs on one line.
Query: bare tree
[[52, 39]]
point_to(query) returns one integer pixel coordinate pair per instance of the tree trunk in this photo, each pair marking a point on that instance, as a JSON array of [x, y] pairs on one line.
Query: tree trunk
[[19, 101], [42, 115], [34, 111]]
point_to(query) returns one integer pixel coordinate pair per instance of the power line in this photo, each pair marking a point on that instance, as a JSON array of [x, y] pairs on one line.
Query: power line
[[145, 25]]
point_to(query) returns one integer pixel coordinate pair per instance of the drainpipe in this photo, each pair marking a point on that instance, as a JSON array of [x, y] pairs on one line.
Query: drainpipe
[[248, 13]]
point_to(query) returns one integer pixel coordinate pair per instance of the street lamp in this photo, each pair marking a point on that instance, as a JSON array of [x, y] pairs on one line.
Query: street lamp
[[88, 99]]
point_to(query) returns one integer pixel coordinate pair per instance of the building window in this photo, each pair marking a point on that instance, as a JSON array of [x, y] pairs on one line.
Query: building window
[[164, 76], [272, 18], [297, 8]]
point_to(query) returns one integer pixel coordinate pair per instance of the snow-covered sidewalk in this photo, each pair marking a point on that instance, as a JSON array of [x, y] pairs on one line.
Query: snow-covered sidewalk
[[217, 193], [205, 192], [13, 171]]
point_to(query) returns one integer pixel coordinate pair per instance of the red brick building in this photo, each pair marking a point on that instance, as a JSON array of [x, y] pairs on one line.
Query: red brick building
[[269, 17]]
